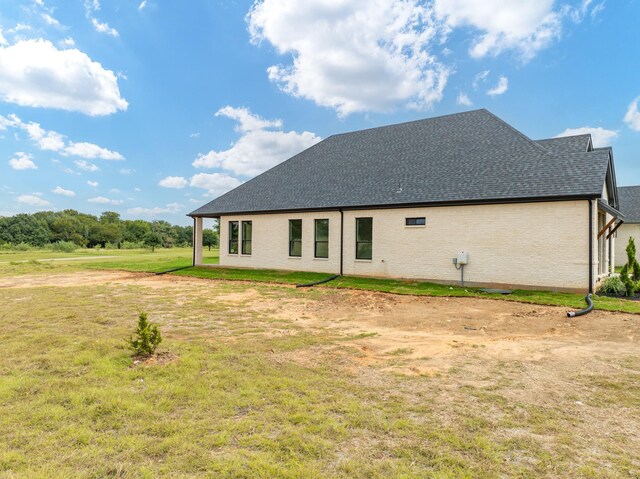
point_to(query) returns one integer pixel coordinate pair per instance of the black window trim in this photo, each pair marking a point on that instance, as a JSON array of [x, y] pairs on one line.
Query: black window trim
[[364, 242], [230, 242], [315, 238], [244, 241], [292, 241]]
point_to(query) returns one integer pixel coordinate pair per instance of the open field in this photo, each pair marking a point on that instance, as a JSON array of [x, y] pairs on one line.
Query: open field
[[267, 380]]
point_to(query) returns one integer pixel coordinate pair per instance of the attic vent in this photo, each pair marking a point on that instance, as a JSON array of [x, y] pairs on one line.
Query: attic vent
[[421, 221]]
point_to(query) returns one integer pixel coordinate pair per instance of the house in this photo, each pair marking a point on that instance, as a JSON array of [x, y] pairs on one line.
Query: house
[[421, 199], [630, 208]]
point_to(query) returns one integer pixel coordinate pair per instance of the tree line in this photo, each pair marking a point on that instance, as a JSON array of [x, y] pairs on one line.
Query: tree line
[[83, 230]]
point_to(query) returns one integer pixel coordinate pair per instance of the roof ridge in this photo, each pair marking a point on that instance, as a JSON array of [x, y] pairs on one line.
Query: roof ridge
[[460, 113], [560, 137], [518, 132]]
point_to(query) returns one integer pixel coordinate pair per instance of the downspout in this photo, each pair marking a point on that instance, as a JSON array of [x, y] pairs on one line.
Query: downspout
[[315, 283], [589, 308], [341, 239]]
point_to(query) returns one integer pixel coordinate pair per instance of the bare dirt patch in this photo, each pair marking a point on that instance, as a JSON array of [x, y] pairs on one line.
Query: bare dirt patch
[[409, 334]]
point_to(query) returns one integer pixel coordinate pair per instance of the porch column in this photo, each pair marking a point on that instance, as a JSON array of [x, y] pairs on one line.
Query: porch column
[[197, 241]]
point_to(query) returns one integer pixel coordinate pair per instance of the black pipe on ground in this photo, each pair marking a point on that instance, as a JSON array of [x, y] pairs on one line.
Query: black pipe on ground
[[172, 270], [307, 285], [587, 310]]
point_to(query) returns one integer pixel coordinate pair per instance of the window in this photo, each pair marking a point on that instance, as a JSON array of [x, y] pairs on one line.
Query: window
[[233, 237], [364, 235], [295, 237], [321, 249], [415, 221], [247, 230]]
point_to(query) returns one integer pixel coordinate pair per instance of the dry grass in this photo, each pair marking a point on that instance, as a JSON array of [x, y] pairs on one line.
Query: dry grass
[[271, 381]]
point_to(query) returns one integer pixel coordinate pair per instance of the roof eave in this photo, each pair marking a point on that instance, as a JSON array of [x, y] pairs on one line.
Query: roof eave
[[433, 204]]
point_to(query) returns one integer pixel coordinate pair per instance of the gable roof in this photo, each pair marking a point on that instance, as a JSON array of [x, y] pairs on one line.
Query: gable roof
[[564, 144], [466, 157], [630, 203]]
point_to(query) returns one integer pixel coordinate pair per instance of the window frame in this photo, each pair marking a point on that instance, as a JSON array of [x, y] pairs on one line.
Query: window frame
[[315, 238], [414, 221], [244, 241], [358, 241], [231, 241], [292, 241]]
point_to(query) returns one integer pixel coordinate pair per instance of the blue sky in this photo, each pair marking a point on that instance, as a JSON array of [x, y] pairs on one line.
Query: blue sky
[[152, 108]]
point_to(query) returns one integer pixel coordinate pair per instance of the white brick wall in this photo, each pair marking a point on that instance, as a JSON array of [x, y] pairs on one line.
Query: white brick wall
[[624, 232], [530, 244]]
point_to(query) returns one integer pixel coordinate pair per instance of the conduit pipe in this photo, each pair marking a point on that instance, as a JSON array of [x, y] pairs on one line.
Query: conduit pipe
[[587, 310]]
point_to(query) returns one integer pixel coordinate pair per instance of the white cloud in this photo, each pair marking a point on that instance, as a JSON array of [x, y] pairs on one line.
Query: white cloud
[[104, 27], [32, 200], [49, 20], [597, 9], [35, 73], [3, 41], [500, 88], [61, 191], [352, 56], [68, 42], [104, 201], [22, 161], [46, 140], [169, 209], [632, 117], [578, 14], [463, 99], [526, 26], [258, 149], [137, 189], [126, 171], [92, 183], [216, 184], [53, 141], [86, 166], [480, 78], [173, 182], [247, 121], [142, 5], [91, 151], [599, 136], [194, 135]]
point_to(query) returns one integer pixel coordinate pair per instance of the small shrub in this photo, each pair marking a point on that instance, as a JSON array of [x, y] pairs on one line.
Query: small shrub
[[147, 337], [630, 272], [23, 247], [613, 285], [64, 246]]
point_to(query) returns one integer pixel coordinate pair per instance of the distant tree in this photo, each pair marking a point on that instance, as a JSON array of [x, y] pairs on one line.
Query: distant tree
[[153, 239], [110, 217], [24, 228], [209, 238], [135, 230]]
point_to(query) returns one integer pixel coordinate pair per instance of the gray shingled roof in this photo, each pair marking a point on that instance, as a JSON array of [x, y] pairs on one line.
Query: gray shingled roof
[[629, 197], [472, 156], [576, 143]]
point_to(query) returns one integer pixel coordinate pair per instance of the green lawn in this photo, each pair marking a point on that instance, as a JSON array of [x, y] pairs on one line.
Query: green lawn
[[417, 288], [166, 259], [162, 259]]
